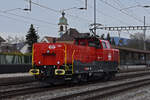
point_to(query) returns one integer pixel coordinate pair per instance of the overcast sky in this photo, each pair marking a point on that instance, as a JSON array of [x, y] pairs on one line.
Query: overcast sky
[[45, 17]]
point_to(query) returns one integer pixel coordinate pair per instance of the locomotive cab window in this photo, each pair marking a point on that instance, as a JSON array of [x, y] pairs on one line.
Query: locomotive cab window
[[95, 44], [104, 44], [76, 42], [83, 43], [108, 45], [80, 42]]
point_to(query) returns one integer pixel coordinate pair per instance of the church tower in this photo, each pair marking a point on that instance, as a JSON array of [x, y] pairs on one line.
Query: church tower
[[62, 24]]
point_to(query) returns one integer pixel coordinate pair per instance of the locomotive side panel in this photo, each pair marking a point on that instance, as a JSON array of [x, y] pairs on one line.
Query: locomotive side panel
[[103, 59]]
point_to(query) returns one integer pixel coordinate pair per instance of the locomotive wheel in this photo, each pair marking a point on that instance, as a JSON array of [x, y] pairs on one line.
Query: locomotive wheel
[[80, 78], [84, 77], [112, 75], [106, 76], [76, 79]]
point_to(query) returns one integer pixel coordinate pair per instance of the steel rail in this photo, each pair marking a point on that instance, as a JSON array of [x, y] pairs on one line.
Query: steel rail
[[21, 92], [101, 92]]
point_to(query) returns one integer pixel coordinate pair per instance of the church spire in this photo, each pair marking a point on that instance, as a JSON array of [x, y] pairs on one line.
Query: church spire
[[62, 24]]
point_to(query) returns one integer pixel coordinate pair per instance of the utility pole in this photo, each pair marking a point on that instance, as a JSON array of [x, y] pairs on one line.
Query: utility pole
[[95, 17], [28, 9], [144, 31], [30, 2], [119, 32], [85, 8]]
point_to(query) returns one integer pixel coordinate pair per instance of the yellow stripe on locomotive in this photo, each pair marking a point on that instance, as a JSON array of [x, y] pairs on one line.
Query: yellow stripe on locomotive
[[59, 72]]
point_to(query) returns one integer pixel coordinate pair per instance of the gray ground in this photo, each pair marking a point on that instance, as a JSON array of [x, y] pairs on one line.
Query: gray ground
[[135, 94], [141, 93]]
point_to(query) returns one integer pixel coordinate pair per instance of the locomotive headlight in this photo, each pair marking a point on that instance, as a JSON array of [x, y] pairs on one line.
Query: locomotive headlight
[[52, 47], [44, 66], [47, 51], [39, 62], [58, 62]]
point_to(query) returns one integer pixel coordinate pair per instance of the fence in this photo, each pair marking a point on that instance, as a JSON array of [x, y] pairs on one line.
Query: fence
[[15, 62], [15, 58]]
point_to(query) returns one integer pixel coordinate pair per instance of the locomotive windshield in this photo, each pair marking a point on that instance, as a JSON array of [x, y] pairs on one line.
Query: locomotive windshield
[[95, 44], [91, 42], [104, 44], [81, 42]]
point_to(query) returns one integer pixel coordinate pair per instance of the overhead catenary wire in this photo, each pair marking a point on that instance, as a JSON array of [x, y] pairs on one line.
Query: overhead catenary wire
[[133, 17], [122, 22], [42, 6], [105, 14], [123, 8], [20, 20], [59, 11], [141, 5], [30, 18], [118, 3], [15, 19]]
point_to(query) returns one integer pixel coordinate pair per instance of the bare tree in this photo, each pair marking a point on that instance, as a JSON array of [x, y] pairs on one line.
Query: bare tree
[[137, 36], [136, 41]]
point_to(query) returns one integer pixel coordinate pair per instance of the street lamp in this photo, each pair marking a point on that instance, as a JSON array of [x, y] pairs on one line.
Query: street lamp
[[84, 8], [145, 6], [28, 9], [25, 9]]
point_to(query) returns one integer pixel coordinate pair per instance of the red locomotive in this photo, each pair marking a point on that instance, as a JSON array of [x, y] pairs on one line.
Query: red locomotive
[[85, 58]]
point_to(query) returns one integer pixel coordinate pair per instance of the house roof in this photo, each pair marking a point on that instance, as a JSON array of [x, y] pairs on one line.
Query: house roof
[[1, 39], [70, 35], [48, 39]]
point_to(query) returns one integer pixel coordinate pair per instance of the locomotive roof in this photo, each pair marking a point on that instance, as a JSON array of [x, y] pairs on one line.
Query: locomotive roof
[[87, 37]]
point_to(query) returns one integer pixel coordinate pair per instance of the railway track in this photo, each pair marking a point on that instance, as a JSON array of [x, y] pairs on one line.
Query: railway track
[[16, 80], [39, 89], [28, 79], [133, 69], [27, 90], [104, 91]]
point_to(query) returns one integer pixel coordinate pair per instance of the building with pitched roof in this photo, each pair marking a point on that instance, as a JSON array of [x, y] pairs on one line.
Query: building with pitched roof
[[1, 40]]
